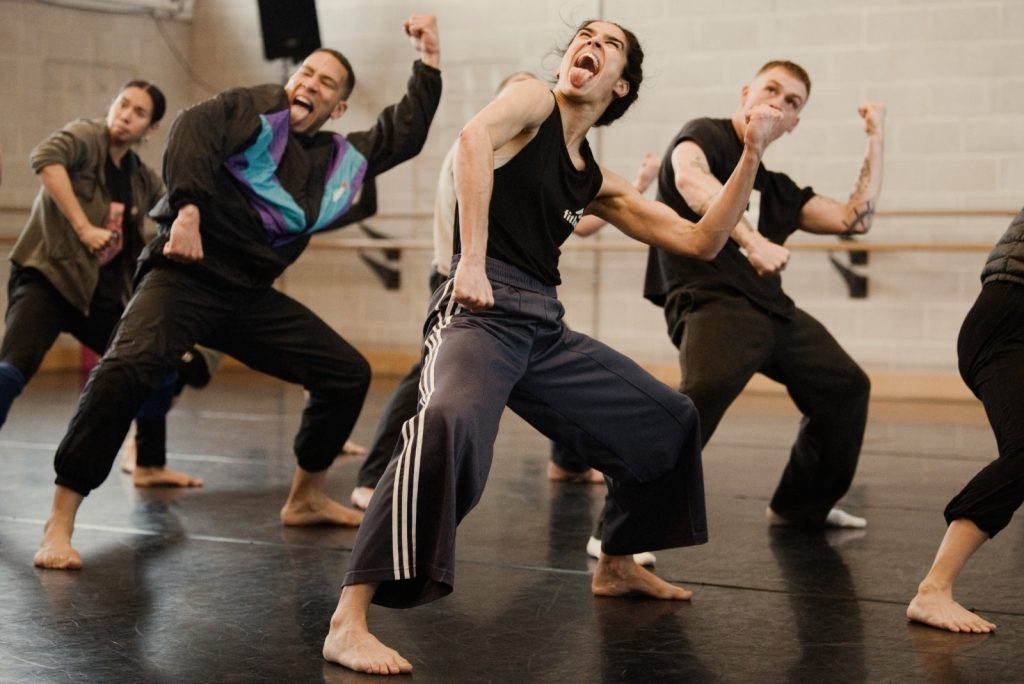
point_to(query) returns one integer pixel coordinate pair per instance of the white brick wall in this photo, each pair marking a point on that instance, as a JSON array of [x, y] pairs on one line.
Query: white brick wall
[[948, 70]]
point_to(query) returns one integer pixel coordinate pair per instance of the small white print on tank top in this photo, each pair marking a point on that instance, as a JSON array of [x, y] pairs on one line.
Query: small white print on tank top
[[573, 217]]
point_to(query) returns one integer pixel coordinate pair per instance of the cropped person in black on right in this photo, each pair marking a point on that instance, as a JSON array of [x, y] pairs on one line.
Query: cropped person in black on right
[[990, 351]]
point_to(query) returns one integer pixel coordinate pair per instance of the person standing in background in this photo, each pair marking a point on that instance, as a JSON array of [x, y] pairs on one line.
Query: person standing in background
[[72, 265]]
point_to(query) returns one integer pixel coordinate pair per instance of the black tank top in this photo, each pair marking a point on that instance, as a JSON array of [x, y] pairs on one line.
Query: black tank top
[[538, 197]]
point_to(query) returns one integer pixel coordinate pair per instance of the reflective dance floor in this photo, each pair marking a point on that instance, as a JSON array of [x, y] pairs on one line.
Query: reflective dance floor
[[206, 585]]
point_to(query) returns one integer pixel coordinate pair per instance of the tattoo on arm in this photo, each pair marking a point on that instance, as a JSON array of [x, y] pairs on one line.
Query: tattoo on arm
[[862, 219], [863, 177], [701, 165]]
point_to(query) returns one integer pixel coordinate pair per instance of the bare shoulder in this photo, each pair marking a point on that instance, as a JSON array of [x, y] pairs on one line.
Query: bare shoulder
[[530, 98], [516, 115]]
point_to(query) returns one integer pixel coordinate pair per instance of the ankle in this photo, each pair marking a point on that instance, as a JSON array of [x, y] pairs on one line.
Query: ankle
[[348, 619], [614, 565], [56, 526], [930, 587], [304, 501]]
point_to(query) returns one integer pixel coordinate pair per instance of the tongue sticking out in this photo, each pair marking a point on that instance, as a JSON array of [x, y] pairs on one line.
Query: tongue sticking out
[[583, 69], [298, 111], [579, 76]]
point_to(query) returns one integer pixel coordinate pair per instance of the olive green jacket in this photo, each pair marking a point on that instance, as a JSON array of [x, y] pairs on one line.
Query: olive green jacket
[[48, 243]]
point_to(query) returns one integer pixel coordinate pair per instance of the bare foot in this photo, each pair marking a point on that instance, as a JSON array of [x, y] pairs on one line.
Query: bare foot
[[319, 510], [620, 576], [358, 650], [163, 477], [361, 496], [351, 448], [937, 608], [55, 551], [588, 476]]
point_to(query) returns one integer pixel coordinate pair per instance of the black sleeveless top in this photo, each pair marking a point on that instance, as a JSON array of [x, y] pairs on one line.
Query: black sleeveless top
[[537, 198]]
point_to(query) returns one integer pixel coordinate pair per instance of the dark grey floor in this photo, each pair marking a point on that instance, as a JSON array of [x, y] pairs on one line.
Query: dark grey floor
[[206, 586]]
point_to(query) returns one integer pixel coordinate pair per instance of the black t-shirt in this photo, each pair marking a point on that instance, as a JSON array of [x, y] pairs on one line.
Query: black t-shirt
[[538, 197], [730, 271], [112, 273]]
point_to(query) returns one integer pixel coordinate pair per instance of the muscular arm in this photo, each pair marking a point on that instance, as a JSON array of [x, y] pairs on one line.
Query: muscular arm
[[699, 187], [401, 129], [57, 182], [828, 216], [656, 224], [647, 172], [506, 124]]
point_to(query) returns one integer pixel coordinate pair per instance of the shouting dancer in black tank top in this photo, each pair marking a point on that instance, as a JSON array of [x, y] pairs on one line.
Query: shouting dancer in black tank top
[[495, 336]]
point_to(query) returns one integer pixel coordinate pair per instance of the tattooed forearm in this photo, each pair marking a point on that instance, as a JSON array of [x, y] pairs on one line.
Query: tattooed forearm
[[863, 178], [861, 221]]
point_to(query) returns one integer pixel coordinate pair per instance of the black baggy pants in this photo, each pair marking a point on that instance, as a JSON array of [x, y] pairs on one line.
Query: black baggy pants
[[172, 310], [991, 360], [36, 314], [724, 339]]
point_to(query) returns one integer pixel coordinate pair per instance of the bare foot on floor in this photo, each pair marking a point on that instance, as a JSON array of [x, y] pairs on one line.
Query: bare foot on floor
[[588, 476], [937, 608], [351, 448], [319, 511], [55, 551], [361, 651], [620, 576], [361, 496], [163, 477]]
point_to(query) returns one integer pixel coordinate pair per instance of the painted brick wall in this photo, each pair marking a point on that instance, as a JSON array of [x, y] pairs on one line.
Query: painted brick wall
[[946, 69]]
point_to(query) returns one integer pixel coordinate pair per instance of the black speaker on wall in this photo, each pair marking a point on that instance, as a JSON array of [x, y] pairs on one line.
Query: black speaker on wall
[[289, 28]]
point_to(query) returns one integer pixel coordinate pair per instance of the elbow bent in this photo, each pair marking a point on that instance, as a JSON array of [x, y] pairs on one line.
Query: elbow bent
[[707, 252]]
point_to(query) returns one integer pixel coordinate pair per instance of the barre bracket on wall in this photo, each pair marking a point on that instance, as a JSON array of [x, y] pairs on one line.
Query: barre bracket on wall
[[856, 283], [386, 266]]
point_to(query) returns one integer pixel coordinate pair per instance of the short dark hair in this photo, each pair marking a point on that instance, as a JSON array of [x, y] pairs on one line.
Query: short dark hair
[[632, 72], [791, 68], [159, 101], [350, 79]]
